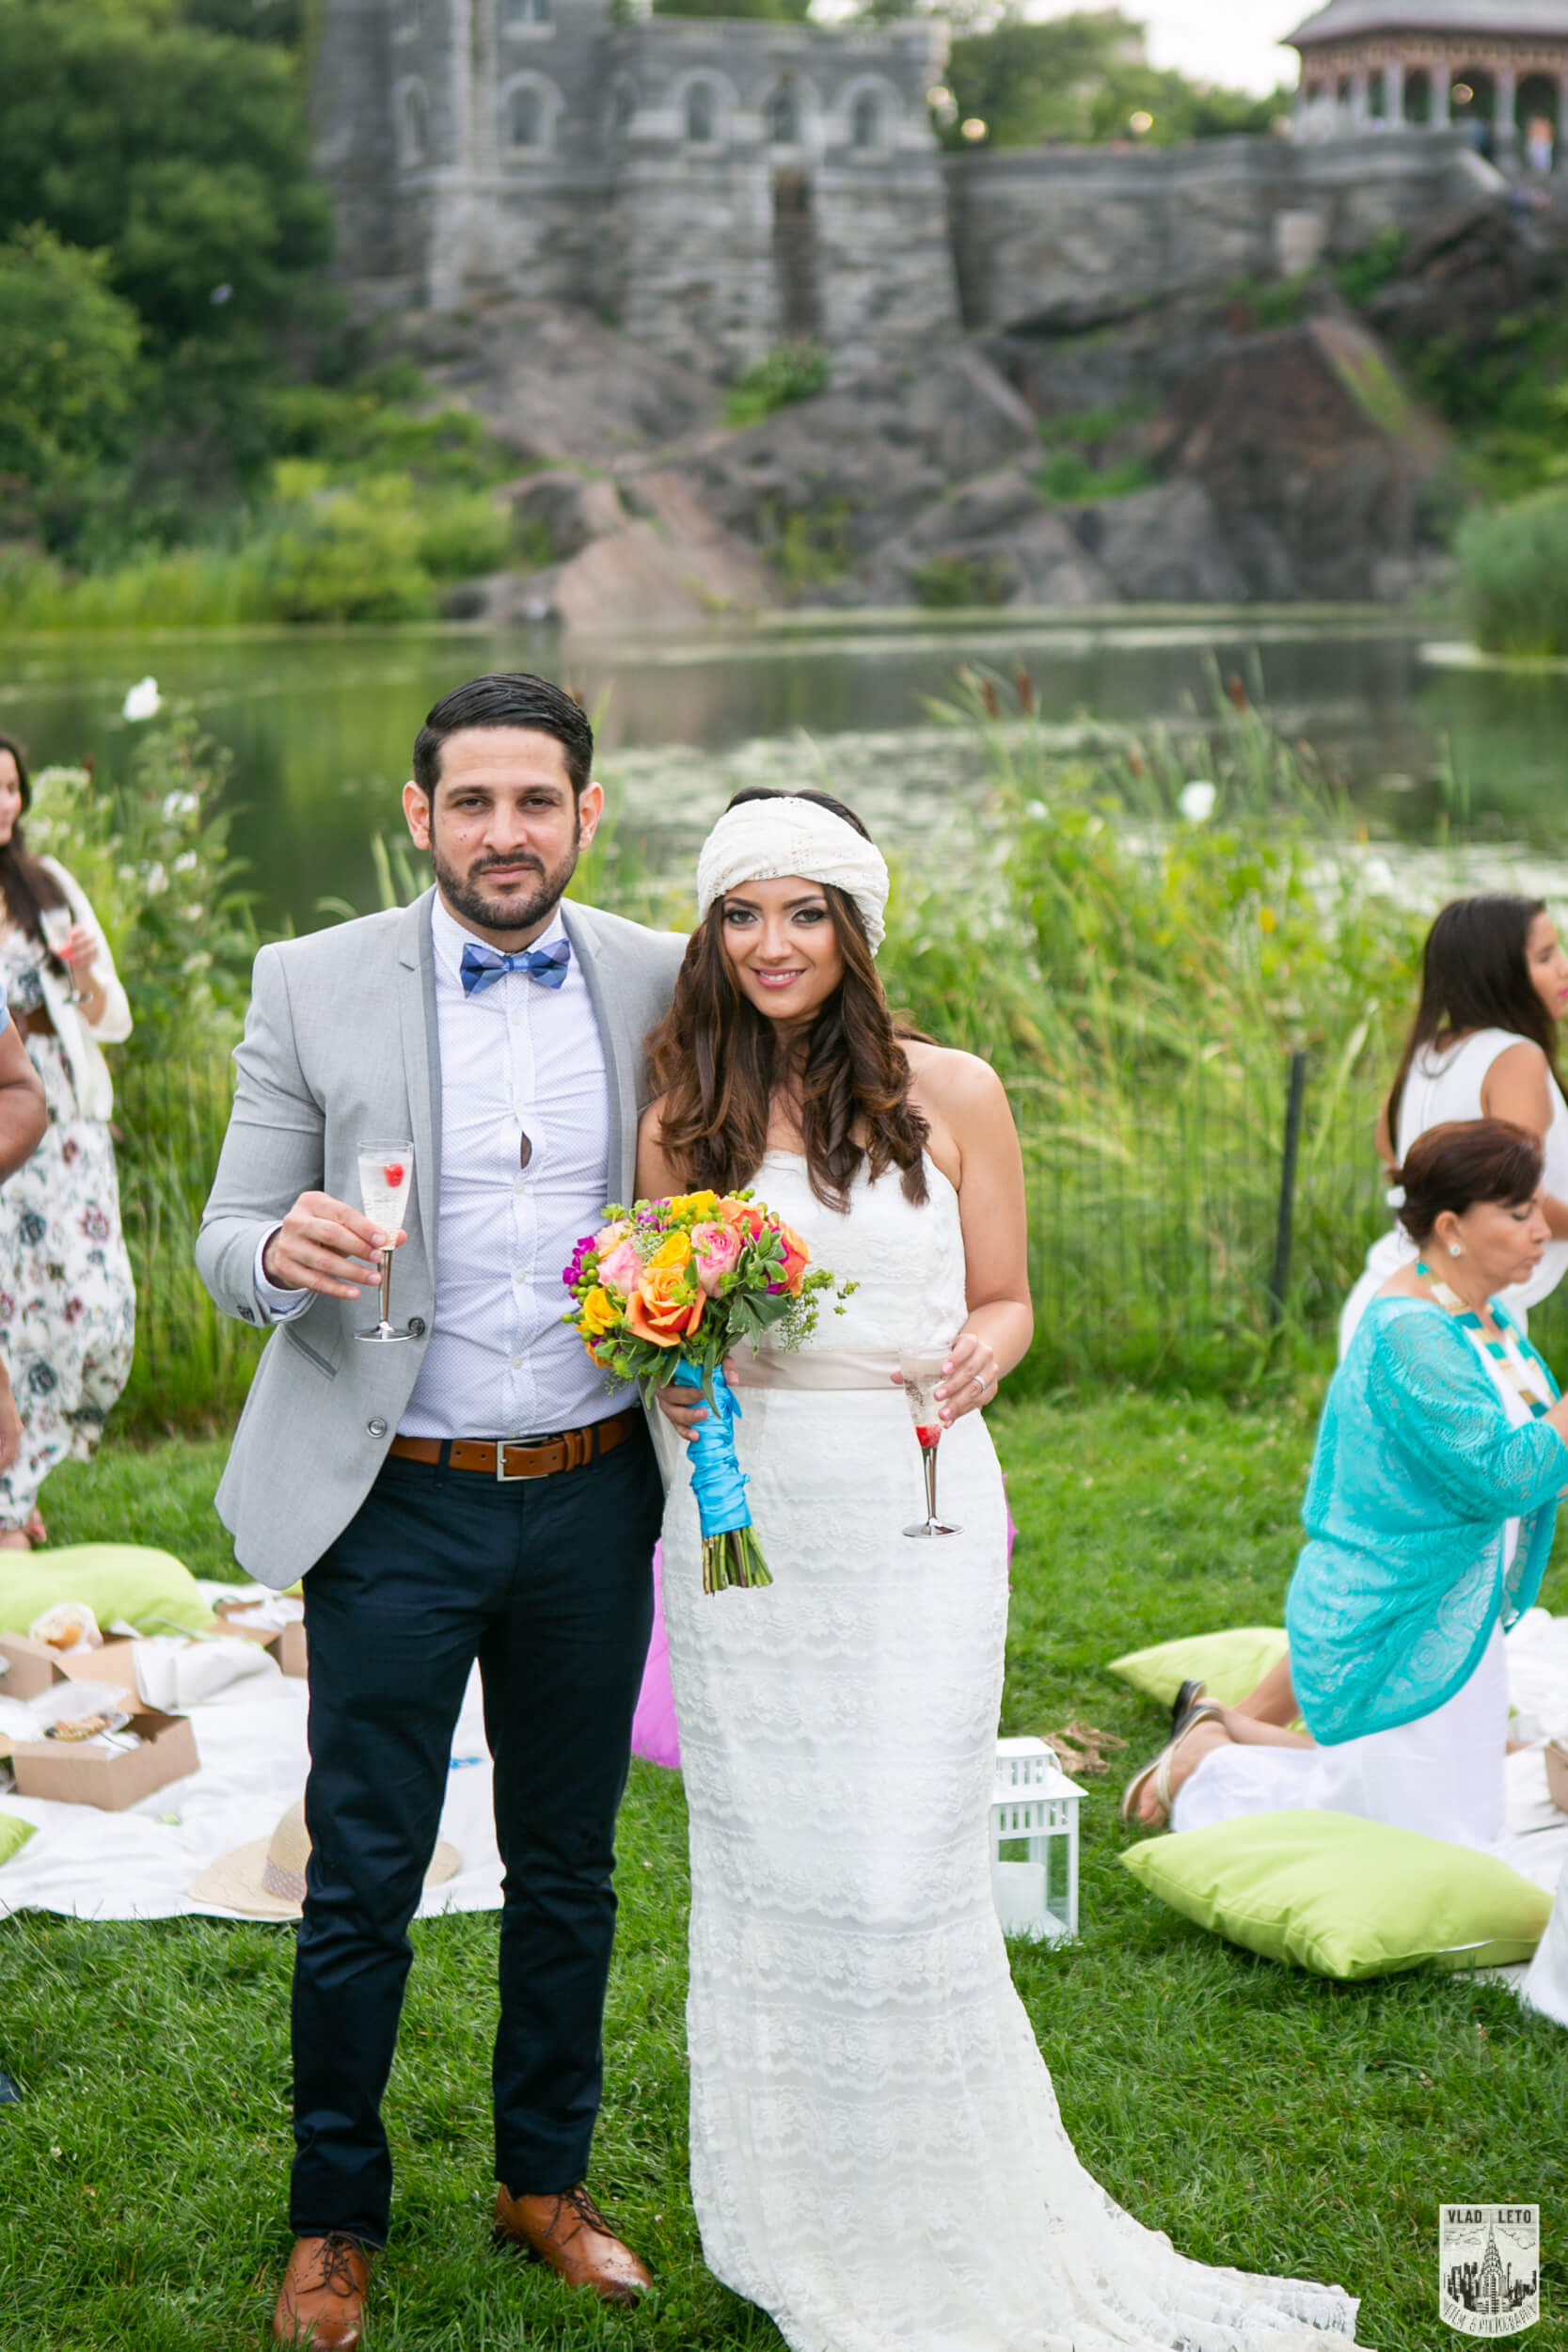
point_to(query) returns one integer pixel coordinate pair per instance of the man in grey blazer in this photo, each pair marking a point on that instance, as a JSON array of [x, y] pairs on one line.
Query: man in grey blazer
[[471, 1493]]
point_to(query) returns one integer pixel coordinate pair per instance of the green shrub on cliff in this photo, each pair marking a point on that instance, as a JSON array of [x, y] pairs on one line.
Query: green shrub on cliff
[[1514, 564], [794, 371]]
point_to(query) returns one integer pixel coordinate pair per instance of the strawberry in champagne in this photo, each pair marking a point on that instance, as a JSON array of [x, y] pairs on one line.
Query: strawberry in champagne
[[920, 1367]]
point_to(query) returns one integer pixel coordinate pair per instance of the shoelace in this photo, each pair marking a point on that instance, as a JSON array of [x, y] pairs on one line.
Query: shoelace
[[585, 2209], [337, 2263]]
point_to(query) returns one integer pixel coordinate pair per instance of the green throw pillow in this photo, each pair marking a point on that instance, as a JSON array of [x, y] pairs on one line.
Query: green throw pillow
[[1343, 1897], [13, 1836], [150, 1589], [1230, 1664]]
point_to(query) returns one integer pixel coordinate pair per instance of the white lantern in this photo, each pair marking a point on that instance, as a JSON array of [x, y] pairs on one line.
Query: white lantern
[[1034, 1842]]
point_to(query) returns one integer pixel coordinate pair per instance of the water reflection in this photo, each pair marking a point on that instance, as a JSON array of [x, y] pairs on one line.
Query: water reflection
[[321, 724]]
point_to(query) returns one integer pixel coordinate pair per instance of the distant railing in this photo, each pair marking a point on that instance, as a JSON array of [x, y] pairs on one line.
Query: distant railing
[[1154, 1254]]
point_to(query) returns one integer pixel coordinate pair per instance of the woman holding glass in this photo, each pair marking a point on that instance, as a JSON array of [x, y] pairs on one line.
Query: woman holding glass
[[67, 1297], [877, 2157]]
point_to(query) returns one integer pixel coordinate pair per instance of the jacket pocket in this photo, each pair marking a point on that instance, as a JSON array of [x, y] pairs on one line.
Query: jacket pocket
[[312, 1354]]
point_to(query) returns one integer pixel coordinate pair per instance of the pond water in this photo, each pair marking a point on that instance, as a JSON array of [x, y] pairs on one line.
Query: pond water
[[321, 723]]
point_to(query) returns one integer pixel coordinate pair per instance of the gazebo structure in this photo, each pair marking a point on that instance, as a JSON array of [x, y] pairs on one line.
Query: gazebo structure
[[1498, 69]]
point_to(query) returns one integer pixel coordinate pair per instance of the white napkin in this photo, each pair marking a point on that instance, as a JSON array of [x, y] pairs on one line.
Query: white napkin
[[173, 1673]]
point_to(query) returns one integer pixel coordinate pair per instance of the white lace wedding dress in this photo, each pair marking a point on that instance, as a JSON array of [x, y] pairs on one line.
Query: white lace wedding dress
[[877, 2157]]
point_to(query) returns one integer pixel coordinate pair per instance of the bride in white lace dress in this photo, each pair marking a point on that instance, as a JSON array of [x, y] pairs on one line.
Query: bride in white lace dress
[[877, 2155]]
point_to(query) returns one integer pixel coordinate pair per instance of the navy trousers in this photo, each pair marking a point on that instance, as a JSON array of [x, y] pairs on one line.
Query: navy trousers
[[548, 1583]]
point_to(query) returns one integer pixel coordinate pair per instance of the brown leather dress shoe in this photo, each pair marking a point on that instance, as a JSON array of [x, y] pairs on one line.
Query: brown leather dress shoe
[[322, 2301], [567, 2231]]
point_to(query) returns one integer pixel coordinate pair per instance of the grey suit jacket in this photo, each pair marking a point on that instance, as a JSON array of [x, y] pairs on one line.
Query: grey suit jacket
[[342, 1041]]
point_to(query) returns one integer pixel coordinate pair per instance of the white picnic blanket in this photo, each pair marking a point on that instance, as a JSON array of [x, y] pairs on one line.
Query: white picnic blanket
[[250, 1737]]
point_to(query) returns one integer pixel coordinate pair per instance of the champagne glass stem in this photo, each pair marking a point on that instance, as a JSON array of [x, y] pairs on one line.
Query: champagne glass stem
[[387, 1289], [929, 1464]]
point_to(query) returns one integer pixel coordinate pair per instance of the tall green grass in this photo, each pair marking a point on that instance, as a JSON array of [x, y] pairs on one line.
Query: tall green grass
[[1513, 564]]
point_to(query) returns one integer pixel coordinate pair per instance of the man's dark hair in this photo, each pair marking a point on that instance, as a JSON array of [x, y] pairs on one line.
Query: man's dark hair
[[509, 698]]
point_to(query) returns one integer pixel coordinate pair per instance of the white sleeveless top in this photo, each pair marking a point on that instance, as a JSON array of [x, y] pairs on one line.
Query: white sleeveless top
[[1444, 1085]]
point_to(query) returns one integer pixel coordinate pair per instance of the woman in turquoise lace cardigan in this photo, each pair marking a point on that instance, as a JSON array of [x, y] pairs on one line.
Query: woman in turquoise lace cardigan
[[1430, 1511]]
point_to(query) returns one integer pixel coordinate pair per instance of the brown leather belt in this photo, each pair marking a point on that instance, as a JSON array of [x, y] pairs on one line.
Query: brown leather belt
[[574, 1449]]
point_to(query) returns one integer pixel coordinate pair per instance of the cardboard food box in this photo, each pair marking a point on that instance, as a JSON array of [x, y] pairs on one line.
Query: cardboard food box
[[33, 1666], [284, 1642], [83, 1776], [1557, 1774]]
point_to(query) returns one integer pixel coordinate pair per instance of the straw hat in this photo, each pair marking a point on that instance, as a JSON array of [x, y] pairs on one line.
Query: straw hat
[[265, 1880]]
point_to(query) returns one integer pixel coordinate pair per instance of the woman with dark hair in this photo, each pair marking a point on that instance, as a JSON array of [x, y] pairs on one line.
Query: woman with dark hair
[[1430, 1512], [877, 2155], [67, 1298], [1483, 1045]]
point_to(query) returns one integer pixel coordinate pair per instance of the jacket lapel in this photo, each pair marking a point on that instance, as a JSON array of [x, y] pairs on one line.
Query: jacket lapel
[[619, 1053], [422, 1061]]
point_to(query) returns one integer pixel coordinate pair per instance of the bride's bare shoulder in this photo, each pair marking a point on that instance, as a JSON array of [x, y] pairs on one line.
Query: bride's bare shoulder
[[953, 1083]]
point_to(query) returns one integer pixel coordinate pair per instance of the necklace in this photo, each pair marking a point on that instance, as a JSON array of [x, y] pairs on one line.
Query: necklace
[[1508, 1353]]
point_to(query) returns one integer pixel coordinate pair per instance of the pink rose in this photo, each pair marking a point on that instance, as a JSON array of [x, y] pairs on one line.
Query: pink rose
[[622, 1270], [603, 1243], [716, 1249]]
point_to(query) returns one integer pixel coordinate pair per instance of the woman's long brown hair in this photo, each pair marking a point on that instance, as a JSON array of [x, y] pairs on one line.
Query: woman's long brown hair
[[715, 1061], [25, 884]]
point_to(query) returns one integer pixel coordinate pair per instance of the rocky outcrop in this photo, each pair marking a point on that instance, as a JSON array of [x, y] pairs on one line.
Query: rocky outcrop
[[554, 383], [650, 556], [1312, 455]]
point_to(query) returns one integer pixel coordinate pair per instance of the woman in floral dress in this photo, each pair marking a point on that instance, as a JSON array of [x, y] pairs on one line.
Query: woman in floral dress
[[67, 1298]]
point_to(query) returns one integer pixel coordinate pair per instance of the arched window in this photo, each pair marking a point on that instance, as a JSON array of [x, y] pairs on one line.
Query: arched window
[[783, 117], [702, 113], [865, 120], [524, 117], [415, 124]]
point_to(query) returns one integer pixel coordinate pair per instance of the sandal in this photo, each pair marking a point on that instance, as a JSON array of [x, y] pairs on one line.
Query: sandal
[[1158, 1768], [1188, 1696]]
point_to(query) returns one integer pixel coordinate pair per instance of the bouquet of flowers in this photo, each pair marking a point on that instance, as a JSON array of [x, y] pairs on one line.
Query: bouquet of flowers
[[662, 1294]]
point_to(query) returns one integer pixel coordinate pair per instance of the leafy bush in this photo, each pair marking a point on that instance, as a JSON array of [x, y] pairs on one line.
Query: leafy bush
[[1513, 564], [949, 582], [810, 546], [154, 858], [1375, 266], [797, 371], [69, 386]]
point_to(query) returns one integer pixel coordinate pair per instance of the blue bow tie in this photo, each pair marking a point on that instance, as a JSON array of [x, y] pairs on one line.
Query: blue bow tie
[[483, 966]]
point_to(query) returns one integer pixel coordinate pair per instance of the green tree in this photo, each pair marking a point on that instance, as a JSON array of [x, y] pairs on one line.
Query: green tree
[[1079, 78], [1029, 82], [69, 380]]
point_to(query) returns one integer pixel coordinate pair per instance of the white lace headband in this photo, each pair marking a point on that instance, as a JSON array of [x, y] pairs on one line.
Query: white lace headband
[[762, 839]]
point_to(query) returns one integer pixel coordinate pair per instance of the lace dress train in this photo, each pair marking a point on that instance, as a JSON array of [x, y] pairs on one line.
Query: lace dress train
[[877, 2155]]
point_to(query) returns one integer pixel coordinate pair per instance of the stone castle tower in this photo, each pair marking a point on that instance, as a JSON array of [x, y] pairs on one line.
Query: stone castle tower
[[712, 186]]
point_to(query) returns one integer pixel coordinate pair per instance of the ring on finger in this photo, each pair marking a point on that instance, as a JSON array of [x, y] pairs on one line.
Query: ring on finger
[[980, 1382]]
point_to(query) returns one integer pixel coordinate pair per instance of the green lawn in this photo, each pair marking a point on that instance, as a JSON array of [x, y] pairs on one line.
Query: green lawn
[[1264, 2118]]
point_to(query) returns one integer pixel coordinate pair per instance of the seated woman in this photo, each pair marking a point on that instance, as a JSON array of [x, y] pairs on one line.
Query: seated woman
[[1430, 1511]]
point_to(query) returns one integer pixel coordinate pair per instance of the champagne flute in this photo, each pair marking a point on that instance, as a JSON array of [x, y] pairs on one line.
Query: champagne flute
[[921, 1366], [58, 922], [385, 1173]]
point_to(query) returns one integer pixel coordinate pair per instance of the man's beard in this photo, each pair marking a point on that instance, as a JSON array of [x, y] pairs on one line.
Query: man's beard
[[465, 894]]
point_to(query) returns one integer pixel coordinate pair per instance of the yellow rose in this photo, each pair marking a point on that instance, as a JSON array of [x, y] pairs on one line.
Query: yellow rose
[[600, 1314], [673, 1251], [693, 1204]]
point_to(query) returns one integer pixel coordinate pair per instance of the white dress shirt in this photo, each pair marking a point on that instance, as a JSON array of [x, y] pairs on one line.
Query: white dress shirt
[[522, 1069]]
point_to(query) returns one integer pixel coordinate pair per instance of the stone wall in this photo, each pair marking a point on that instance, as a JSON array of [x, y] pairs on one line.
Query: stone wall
[[1061, 235], [714, 186]]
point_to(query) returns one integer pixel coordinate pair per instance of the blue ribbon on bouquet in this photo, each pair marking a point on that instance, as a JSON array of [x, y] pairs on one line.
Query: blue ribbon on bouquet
[[718, 1480]]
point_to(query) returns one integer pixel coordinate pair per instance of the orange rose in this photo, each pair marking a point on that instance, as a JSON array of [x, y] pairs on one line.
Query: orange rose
[[744, 1217], [666, 1306], [797, 1257]]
